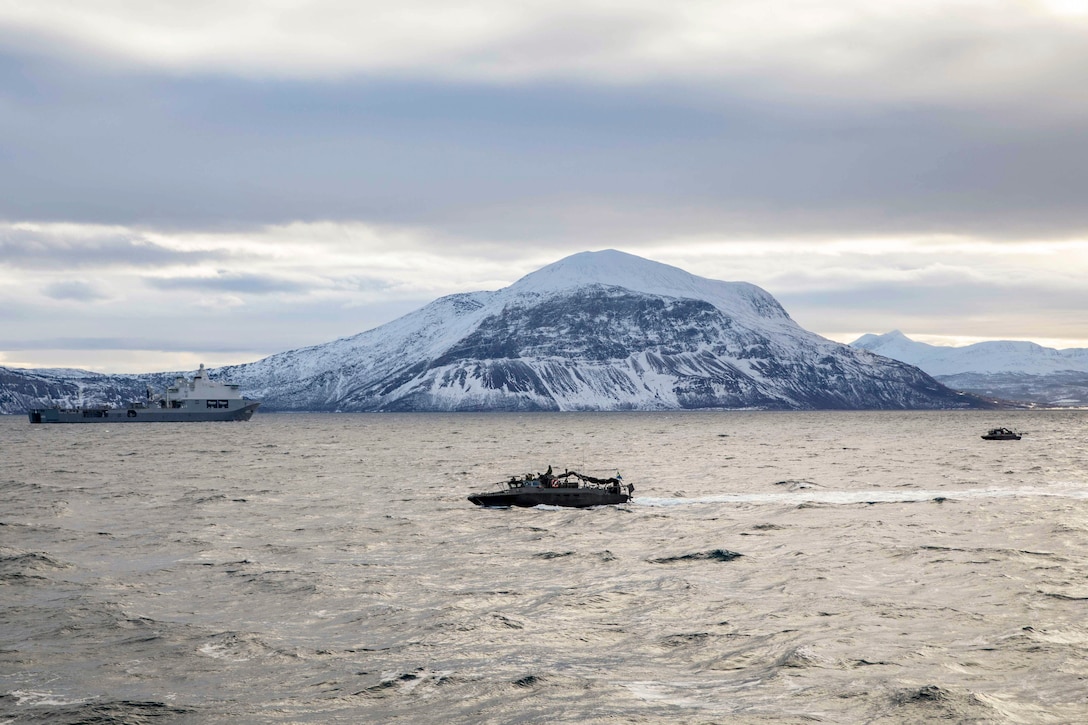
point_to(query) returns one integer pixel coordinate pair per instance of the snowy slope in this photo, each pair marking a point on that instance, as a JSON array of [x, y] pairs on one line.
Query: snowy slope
[[21, 390], [1011, 370], [613, 268], [595, 331], [1005, 356]]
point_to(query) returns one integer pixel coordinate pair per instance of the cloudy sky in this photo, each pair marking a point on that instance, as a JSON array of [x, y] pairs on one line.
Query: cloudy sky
[[215, 181]]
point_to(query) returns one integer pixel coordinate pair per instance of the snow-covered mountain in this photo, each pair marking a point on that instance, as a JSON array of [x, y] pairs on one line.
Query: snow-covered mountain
[[21, 390], [595, 331], [1009, 369]]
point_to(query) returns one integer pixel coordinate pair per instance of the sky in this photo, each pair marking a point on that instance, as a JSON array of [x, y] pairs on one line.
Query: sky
[[199, 181]]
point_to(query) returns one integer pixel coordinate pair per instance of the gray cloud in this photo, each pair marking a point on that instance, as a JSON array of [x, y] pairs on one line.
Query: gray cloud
[[179, 344], [541, 162], [961, 297], [266, 326], [28, 248], [74, 290], [965, 308], [361, 284], [953, 51], [250, 284]]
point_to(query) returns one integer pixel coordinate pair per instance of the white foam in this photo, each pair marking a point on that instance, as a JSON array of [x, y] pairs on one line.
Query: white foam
[[221, 652], [866, 496], [31, 698]]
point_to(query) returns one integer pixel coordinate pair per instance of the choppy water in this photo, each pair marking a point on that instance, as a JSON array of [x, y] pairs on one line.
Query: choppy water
[[893, 568]]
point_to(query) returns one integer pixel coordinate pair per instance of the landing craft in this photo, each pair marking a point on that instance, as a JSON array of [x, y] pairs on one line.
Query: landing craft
[[1001, 434], [570, 489]]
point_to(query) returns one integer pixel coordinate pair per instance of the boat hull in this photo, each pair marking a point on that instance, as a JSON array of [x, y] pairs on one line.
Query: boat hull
[[566, 497], [1001, 437], [144, 415]]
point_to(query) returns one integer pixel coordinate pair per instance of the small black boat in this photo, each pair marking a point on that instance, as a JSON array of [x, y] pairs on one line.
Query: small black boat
[[1001, 434], [570, 489]]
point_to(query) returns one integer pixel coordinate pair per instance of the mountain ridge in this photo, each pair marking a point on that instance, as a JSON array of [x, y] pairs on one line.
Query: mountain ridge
[[599, 330], [1009, 369], [995, 356]]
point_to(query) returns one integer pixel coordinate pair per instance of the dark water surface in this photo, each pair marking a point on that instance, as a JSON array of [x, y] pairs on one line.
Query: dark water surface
[[893, 567]]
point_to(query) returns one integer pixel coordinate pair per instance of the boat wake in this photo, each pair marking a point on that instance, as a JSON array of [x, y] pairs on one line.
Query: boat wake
[[862, 497]]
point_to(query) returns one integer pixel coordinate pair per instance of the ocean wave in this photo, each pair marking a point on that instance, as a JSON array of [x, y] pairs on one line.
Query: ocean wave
[[46, 708], [902, 579], [713, 555]]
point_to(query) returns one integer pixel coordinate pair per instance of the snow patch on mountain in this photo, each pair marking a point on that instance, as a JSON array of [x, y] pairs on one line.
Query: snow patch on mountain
[[1005, 369], [1003, 356], [614, 268]]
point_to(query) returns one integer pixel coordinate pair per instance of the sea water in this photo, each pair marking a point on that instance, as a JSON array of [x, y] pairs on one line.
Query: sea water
[[773, 567]]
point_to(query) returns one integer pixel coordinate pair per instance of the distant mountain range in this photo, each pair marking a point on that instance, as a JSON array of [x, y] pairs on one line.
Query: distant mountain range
[[1012, 370], [595, 331]]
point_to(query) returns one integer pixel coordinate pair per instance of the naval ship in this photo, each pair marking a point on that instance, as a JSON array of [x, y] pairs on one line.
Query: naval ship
[[199, 399]]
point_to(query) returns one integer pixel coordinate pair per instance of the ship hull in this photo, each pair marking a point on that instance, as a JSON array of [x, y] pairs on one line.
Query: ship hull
[[567, 497], [132, 414]]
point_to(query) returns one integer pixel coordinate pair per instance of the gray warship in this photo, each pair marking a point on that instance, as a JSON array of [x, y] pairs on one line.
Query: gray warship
[[569, 489], [196, 400]]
